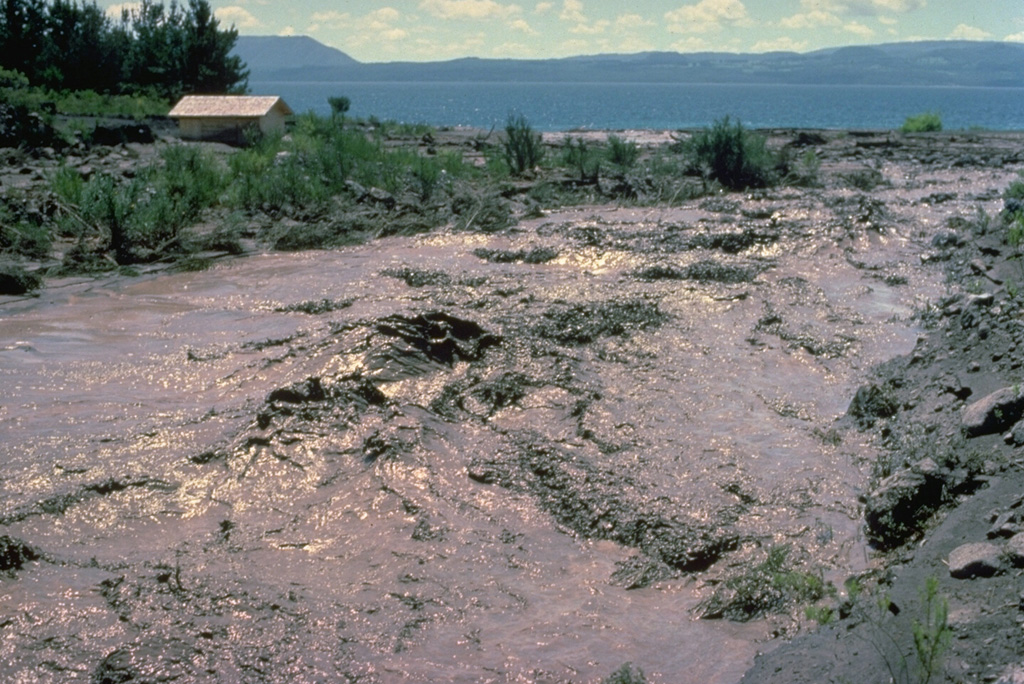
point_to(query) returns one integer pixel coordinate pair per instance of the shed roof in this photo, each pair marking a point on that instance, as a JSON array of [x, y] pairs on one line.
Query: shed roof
[[228, 105]]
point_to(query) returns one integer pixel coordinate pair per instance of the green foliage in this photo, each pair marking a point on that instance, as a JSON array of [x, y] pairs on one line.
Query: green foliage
[[1015, 190], [67, 184], [522, 146], [927, 122], [627, 674], [22, 237], [146, 214], [156, 48], [91, 103], [581, 158], [622, 153], [823, 615], [932, 633], [888, 635], [339, 105], [803, 171], [768, 587], [191, 180], [734, 157]]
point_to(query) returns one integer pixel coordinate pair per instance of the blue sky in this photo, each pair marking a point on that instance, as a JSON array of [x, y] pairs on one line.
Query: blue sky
[[422, 30]]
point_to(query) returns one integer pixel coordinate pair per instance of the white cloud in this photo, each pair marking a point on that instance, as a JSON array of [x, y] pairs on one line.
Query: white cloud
[[522, 25], [1015, 38], [888, 21], [784, 44], [631, 22], [596, 28], [287, 31], [706, 16], [811, 19], [236, 16], [572, 10], [900, 5], [965, 32], [378, 25], [468, 9], [543, 7], [333, 19], [860, 30]]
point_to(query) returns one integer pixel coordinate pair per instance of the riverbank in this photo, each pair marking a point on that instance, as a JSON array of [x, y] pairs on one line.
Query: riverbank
[[531, 438]]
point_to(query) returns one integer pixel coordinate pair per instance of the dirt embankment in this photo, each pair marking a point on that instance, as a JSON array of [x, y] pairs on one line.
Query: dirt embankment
[[535, 451], [947, 498]]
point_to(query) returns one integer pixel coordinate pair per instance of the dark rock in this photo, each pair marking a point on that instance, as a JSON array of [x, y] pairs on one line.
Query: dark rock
[[901, 503], [947, 240], [15, 553], [994, 413], [1015, 551], [975, 309], [870, 403], [536, 255], [109, 136], [975, 560], [438, 336], [308, 390], [1016, 434], [15, 280], [808, 139]]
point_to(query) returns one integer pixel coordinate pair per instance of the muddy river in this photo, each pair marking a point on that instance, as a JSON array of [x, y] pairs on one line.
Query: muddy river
[[459, 457]]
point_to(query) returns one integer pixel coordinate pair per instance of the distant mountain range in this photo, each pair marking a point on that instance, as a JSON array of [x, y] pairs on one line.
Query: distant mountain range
[[926, 63]]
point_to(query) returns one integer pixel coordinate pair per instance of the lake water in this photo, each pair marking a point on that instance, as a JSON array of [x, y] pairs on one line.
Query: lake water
[[616, 106]]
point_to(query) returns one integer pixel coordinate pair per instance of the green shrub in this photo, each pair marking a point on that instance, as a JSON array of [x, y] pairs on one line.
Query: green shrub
[[734, 157], [627, 674], [67, 184], [191, 180], [622, 153], [803, 171], [581, 158], [25, 239], [768, 587], [339, 106], [523, 151], [926, 122]]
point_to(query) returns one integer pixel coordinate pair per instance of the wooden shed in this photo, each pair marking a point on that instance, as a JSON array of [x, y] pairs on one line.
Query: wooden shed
[[227, 118]]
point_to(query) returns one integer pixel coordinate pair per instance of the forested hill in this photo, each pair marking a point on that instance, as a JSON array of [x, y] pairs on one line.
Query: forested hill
[[931, 63]]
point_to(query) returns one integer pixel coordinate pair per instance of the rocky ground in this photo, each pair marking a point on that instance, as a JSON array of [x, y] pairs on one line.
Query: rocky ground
[[628, 431]]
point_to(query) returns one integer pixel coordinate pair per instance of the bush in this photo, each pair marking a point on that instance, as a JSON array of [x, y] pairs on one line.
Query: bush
[[581, 158], [732, 156], [522, 146], [26, 239], [768, 587], [928, 122], [622, 153]]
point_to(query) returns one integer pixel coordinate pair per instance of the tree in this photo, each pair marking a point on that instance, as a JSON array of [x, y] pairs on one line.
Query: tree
[[339, 105], [165, 50], [209, 65]]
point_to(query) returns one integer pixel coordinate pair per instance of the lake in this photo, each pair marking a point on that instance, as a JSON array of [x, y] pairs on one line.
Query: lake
[[617, 106]]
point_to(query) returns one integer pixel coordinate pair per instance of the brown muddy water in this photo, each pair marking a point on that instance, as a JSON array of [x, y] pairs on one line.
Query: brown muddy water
[[456, 457]]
